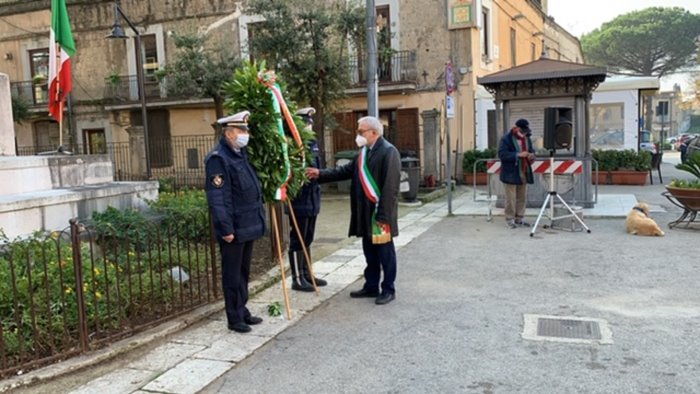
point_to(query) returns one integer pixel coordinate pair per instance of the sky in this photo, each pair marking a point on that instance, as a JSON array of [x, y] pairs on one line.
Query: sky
[[580, 17]]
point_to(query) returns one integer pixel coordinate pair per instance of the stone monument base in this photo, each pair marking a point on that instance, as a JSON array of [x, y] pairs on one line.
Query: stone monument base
[[45, 192]]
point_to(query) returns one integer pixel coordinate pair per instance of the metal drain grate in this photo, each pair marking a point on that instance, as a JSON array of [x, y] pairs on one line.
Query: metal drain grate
[[571, 329], [565, 328]]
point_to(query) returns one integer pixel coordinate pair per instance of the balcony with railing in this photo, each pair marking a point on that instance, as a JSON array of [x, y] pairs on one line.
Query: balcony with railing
[[395, 71], [125, 88], [34, 93]]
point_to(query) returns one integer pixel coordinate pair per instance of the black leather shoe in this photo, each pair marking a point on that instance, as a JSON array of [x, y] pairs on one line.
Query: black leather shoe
[[363, 293], [239, 327], [305, 286], [384, 298], [319, 282], [253, 320]]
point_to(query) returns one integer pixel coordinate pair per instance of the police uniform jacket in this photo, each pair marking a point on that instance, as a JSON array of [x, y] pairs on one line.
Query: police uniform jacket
[[234, 194], [308, 201], [384, 164]]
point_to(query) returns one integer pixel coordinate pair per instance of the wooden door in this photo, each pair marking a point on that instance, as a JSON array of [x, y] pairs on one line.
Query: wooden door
[[406, 136]]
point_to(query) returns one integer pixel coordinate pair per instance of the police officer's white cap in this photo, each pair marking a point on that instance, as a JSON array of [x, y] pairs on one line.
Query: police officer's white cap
[[306, 114], [308, 111], [238, 120]]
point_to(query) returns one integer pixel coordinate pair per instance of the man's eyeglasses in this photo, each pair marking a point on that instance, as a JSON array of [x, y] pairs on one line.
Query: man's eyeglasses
[[361, 131]]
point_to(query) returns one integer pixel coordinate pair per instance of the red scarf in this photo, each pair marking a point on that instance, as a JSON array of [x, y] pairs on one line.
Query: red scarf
[[525, 163], [518, 133]]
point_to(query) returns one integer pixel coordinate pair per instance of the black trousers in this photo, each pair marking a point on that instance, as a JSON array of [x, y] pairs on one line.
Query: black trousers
[[379, 258], [307, 227], [235, 274]]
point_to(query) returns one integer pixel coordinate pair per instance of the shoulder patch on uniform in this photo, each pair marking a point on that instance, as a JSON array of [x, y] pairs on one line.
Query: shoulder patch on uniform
[[217, 180]]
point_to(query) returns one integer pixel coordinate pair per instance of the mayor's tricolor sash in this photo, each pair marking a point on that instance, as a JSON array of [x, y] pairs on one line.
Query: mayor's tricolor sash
[[381, 234]]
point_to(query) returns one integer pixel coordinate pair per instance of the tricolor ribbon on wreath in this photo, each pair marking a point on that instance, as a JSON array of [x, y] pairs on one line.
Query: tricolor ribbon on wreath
[[280, 107], [381, 233]]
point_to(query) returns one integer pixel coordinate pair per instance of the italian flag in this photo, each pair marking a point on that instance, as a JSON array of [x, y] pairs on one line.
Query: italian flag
[[61, 48]]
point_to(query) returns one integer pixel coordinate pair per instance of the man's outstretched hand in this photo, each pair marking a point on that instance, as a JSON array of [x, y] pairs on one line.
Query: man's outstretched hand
[[312, 173]]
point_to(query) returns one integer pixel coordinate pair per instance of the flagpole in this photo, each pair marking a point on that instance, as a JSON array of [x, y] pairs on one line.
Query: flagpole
[[60, 127], [58, 96]]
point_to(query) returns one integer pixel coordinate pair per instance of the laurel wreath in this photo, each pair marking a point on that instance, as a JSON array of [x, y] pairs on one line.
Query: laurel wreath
[[265, 151]]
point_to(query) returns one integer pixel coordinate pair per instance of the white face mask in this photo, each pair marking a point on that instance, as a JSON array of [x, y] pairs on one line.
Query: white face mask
[[242, 140], [360, 141]]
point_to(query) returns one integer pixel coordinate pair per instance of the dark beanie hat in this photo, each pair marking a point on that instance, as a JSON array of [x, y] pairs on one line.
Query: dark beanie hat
[[523, 124]]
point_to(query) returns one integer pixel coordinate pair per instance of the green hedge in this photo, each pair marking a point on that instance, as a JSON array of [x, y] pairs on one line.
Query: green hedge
[[471, 156], [630, 160]]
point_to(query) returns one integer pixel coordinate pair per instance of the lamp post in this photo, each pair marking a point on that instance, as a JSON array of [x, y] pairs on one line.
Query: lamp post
[[118, 32], [372, 99], [670, 115]]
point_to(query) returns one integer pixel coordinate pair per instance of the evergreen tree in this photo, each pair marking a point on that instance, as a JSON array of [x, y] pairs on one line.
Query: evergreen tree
[[307, 44]]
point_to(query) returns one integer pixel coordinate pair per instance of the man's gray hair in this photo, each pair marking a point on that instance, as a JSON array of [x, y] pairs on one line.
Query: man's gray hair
[[373, 123]]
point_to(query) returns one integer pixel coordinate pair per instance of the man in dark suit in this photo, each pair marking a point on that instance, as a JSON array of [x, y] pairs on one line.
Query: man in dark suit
[[375, 174], [235, 200]]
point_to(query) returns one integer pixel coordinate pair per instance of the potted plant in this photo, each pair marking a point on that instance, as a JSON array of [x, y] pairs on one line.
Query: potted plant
[[687, 191], [114, 78], [622, 167], [39, 79], [633, 168], [472, 157], [607, 161]]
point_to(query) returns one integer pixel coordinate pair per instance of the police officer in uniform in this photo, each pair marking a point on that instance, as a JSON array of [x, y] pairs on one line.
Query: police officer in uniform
[[306, 206], [235, 200]]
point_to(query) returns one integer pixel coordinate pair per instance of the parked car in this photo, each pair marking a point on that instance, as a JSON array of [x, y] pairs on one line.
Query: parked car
[[681, 140], [646, 143], [609, 139], [672, 140], [690, 147]]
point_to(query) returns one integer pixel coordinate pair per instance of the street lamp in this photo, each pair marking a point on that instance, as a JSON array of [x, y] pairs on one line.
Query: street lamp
[[118, 32]]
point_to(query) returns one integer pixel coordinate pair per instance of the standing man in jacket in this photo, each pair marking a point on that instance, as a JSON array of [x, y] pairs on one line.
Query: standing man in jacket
[[235, 201], [517, 155], [375, 174], [306, 206]]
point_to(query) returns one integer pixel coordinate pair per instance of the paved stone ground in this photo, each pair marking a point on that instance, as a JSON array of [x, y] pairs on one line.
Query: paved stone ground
[[456, 325]]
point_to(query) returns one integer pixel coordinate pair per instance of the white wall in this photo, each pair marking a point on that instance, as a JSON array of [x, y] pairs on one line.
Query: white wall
[[482, 132]]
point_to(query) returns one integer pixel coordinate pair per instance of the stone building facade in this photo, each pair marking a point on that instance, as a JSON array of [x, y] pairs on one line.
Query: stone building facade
[[496, 35], [417, 40]]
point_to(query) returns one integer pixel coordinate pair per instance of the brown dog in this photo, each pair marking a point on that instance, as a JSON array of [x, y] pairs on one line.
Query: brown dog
[[639, 223]]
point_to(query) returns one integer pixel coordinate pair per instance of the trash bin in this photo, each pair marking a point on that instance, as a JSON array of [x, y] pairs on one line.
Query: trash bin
[[410, 175], [341, 158]]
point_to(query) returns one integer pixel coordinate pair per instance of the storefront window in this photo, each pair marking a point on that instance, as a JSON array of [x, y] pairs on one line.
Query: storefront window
[[607, 125]]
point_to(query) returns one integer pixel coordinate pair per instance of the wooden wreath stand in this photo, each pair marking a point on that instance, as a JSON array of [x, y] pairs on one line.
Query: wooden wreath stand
[[280, 258]]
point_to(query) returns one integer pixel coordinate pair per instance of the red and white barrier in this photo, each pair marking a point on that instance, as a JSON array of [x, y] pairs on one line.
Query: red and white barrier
[[561, 167]]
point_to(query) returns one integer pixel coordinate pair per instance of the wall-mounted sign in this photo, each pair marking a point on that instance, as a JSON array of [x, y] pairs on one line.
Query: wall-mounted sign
[[460, 14], [449, 107]]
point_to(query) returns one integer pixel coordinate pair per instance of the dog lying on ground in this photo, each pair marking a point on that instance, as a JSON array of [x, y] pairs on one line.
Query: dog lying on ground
[[639, 223]]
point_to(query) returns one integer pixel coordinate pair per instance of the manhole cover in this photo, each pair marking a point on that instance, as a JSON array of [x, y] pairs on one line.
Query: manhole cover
[[566, 329]]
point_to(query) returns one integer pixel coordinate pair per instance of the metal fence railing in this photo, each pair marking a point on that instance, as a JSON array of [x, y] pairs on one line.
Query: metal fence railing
[[178, 161], [31, 93], [126, 88], [397, 67], [81, 288]]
